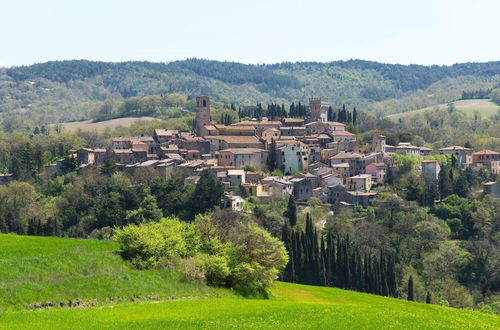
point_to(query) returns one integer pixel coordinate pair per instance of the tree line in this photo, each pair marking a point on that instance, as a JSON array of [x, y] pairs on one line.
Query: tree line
[[335, 262]]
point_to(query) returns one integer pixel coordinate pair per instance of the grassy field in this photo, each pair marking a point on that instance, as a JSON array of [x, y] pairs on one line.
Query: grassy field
[[33, 264], [89, 125], [484, 107], [45, 271], [293, 306]]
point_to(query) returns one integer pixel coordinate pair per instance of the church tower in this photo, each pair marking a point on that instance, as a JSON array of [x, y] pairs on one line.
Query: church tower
[[202, 112], [319, 108]]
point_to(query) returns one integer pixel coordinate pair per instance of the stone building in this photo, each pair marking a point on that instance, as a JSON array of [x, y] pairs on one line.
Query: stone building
[[202, 113], [319, 108]]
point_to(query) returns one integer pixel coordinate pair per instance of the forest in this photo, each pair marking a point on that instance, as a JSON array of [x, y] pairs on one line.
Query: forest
[[75, 90]]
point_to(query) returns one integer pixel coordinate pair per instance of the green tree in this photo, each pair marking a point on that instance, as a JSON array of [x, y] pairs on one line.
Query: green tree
[[410, 292], [207, 193], [291, 211]]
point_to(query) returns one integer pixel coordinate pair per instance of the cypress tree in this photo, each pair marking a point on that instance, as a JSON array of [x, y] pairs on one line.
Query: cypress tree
[[428, 298], [291, 211], [411, 296]]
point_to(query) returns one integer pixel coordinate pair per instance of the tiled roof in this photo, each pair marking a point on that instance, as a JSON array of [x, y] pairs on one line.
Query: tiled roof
[[486, 152]]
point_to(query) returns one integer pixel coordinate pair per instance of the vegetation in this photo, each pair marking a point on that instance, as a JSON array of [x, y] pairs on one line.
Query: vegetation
[[42, 272], [294, 306], [79, 90]]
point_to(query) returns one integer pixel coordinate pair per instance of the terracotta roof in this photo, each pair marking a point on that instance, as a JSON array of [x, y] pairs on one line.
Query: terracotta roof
[[243, 151], [429, 161], [342, 133], [293, 128], [293, 120], [341, 155], [486, 152], [341, 165], [234, 138], [257, 123]]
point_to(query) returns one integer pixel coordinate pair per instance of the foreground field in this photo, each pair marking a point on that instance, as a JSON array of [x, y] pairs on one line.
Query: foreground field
[[40, 272], [294, 306], [89, 125], [484, 107]]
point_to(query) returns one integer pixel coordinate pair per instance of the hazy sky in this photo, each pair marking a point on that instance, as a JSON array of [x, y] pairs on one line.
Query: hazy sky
[[251, 31]]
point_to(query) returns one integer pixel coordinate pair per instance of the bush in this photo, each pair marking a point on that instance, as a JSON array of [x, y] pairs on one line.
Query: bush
[[154, 245]]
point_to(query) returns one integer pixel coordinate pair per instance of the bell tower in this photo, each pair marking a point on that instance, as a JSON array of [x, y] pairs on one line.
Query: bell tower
[[202, 112]]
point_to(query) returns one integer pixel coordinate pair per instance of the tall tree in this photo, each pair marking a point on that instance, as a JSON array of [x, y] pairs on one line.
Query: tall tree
[[411, 296]]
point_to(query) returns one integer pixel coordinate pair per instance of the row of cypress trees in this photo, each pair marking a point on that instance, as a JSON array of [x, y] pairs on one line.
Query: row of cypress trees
[[334, 261]]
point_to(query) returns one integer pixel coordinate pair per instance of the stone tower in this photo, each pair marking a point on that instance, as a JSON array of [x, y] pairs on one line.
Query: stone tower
[[202, 112], [378, 143], [319, 108]]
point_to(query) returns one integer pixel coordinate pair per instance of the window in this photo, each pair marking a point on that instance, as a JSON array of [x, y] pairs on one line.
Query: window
[[204, 103]]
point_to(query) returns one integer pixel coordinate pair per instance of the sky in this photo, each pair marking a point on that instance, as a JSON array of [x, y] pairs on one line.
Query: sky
[[426, 32]]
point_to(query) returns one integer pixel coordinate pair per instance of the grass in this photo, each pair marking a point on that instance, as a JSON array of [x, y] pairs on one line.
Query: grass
[[292, 306], [484, 107], [46, 271], [89, 125]]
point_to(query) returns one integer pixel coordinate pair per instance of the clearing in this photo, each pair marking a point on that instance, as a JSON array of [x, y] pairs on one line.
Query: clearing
[[90, 125], [483, 106]]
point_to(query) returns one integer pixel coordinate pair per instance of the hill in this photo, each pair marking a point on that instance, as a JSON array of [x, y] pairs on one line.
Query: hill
[[47, 271], [85, 273], [73, 90], [89, 125], [482, 107]]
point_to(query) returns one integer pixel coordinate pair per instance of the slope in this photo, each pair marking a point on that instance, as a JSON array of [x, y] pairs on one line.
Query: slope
[[46, 271], [73, 90], [482, 107], [90, 273], [294, 306]]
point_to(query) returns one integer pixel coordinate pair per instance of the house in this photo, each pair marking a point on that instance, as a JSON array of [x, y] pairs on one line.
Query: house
[[90, 156], [492, 188], [488, 158], [291, 155], [293, 131], [341, 170], [239, 157], [302, 188], [219, 142], [291, 122], [462, 154], [358, 198], [279, 188], [330, 179], [403, 148], [342, 136], [430, 170], [378, 172], [6, 178], [235, 178], [361, 182], [162, 135], [253, 189], [236, 202]]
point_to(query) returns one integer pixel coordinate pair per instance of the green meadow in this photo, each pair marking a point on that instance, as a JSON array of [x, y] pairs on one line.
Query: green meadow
[[484, 107], [105, 293]]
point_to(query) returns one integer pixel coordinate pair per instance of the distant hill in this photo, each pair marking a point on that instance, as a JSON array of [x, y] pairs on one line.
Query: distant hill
[[71, 90], [97, 289]]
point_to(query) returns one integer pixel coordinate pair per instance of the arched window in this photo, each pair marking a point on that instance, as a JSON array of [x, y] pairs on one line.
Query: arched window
[[204, 103]]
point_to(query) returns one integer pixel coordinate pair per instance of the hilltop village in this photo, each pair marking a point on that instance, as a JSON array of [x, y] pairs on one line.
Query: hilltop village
[[272, 159]]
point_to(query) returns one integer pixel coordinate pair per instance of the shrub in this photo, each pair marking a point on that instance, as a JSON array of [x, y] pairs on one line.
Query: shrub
[[153, 245]]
